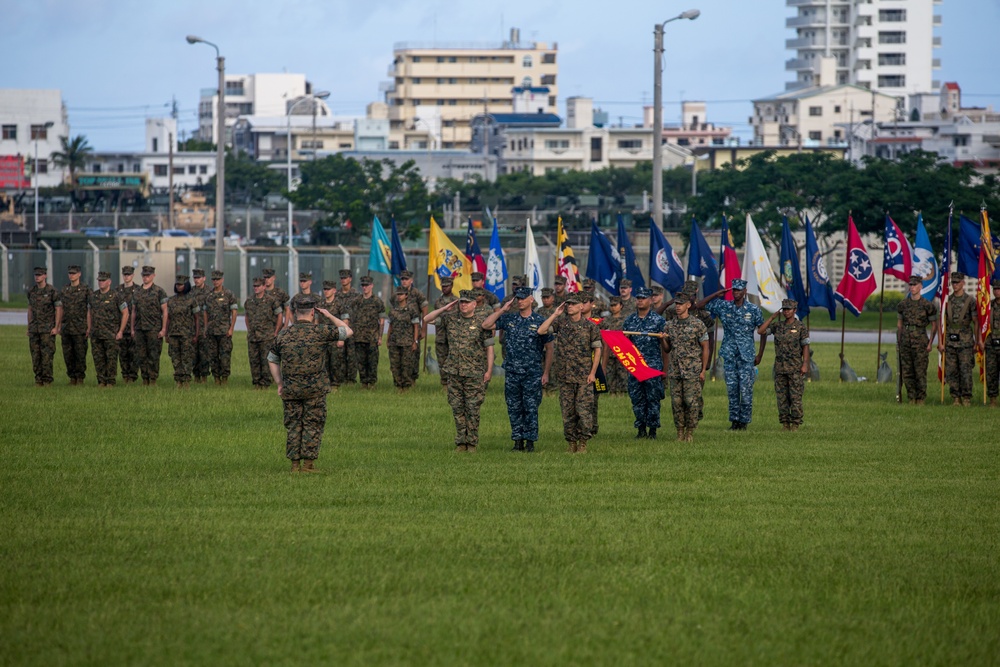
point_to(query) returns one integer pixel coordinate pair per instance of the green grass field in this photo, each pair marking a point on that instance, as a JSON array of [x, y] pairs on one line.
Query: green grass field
[[150, 526]]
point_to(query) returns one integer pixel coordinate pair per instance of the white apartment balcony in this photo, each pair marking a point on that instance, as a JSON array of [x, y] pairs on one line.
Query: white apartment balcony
[[864, 53], [795, 85], [862, 64], [936, 43], [796, 64], [387, 87], [935, 63], [937, 19], [817, 42], [805, 3], [805, 22]]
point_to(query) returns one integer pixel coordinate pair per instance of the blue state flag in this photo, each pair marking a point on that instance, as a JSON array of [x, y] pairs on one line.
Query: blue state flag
[[820, 289], [969, 237], [380, 255], [924, 262], [496, 266], [791, 274], [664, 264], [398, 258], [630, 267], [701, 261], [601, 265]]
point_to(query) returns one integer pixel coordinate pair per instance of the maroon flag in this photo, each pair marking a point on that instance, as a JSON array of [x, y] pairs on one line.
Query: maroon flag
[[858, 282]]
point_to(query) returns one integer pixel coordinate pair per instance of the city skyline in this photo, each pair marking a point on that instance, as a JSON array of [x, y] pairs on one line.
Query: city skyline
[[117, 66]]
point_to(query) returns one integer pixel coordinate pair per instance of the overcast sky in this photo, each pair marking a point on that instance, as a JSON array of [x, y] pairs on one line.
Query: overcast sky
[[119, 61]]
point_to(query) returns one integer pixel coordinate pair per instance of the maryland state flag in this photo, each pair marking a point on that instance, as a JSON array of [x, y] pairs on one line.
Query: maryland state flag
[[625, 351], [986, 262], [566, 259], [445, 260]]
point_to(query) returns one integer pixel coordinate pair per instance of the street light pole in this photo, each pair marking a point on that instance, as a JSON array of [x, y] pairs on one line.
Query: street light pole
[[34, 170], [220, 155], [690, 14], [321, 95]]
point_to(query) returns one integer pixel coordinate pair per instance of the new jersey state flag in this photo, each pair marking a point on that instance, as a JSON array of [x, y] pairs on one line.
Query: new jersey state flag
[[444, 260], [858, 282]]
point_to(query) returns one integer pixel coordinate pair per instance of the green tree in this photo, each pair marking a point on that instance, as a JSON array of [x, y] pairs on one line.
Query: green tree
[[73, 156], [195, 145]]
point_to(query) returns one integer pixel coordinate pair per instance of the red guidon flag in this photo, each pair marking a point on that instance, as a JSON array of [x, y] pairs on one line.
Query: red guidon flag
[[623, 350]]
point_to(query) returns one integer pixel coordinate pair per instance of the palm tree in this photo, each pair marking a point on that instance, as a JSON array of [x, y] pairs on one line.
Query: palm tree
[[73, 156]]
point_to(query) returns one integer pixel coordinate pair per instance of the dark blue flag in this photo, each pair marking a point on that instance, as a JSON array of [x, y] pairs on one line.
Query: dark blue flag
[[664, 264], [701, 261], [630, 267], [601, 265], [820, 290], [791, 274], [969, 236], [398, 258]]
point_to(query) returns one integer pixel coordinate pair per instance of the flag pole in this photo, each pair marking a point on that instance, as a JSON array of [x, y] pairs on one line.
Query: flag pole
[[843, 327], [881, 299], [422, 324]]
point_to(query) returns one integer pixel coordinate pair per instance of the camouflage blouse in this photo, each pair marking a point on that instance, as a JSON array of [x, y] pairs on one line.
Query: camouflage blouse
[[686, 337], [789, 340], [75, 301], [106, 314], [467, 344], [300, 350], [147, 303], [576, 343], [43, 303], [365, 319], [181, 311]]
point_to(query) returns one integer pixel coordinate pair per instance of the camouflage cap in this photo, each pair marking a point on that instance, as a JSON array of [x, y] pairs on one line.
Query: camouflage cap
[[995, 283], [625, 282], [548, 291], [148, 270], [366, 280], [643, 293], [103, 275], [588, 283], [128, 270], [789, 304], [218, 275], [346, 273], [42, 271], [267, 273], [739, 283], [467, 295], [517, 281], [180, 279], [198, 273], [957, 277], [402, 291], [447, 281], [690, 286], [522, 293], [405, 274], [304, 301], [682, 297], [259, 281], [560, 280], [916, 280], [479, 292], [574, 297], [656, 289], [73, 268], [478, 275], [305, 275], [329, 284], [586, 297]]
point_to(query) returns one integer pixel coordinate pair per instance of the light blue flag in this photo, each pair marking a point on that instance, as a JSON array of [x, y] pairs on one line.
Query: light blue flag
[[924, 262], [379, 257], [496, 266]]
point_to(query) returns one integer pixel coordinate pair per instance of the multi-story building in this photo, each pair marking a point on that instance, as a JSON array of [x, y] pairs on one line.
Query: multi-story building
[[884, 45], [465, 80], [694, 129], [249, 95], [25, 118]]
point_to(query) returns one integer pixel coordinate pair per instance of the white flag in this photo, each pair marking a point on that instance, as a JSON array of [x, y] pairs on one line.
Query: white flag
[[532, 267], [758, 273]]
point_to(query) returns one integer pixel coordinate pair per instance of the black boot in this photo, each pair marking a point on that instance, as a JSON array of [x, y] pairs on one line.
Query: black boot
[[518, 446], [734, 426], [652, 433], [641, 434], [529, 446]]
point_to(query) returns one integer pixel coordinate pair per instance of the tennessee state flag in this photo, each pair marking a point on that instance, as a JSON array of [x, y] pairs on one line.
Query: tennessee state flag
[[624, 351], [898, 257], [566, 259], [858, 282], [729, 270]]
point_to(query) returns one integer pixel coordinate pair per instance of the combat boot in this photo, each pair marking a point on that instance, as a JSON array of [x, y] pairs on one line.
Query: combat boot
[[309, 466], [734, 426], [920, 401], [689, 435], [461, 448], [652, 433], [956, 401], [571, 447], [581, 447], [966, 401], [642, 433], [295, 465], [681, 435], [993, 402], [471, 449], [529, 446], [793, 427], [218, 381], [518, 446]]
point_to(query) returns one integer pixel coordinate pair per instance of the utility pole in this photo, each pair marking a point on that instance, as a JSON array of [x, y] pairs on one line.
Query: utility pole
[[170, 180]]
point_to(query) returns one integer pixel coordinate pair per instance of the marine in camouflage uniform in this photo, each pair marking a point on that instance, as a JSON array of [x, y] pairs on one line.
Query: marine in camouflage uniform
[[548, 302], [202, 366], [469, 366], [666, 309], [297, 362], [960, 340], [149, 324], [128, 355], [108, 321], [75, 299], [369, 319], [182, 327], [220, 307], [587, 312], [614, 372], [343, 307], [419, 303], [404, 333], [600, 308], [479, 282], [791, 362], [526, 363], [334, 352], [440, 335], [559, 294], [262, 315], [740, 319], [992, 345], [687, 341], [577, 355], [279, 295], [914, 313], [646, 395], [629, 305], [44, 319]]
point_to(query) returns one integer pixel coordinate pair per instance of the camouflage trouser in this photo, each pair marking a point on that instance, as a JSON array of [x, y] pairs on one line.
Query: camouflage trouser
[[105, 353], [646, 397], [304, 420], [593, 412], [913, 366], [415, 362], [401, 364], [128, 357], [523, 394], [149, 347], [618, 377], [74, 348], [685, 401], [992, 368], [335, 364], [367, 362], [220, 352], [466, 396], [202, 366], [959, 363], [441, 352], [740, 377], [43, 349], [350, 373], [260, 373], [576, 400], [181, 351], [789, 387]]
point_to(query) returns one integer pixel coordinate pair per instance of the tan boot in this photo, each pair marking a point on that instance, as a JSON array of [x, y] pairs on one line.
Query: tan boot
[[993, 402], [571, 447], [581, 447], [461, 448], [308, 465], [471, 449], [793, 427], [295, 465], [919, 401], [681, 434], [966, 402], [956, 401], [689, 435]]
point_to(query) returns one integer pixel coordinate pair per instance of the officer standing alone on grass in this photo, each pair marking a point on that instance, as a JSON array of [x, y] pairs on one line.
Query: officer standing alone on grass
[[44, 317], [297, 362], [914, 313], [791, 362]]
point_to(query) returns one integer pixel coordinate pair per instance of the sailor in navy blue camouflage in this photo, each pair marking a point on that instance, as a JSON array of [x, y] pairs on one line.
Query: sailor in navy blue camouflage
[[527, 360], [740, 319], [646, 396]]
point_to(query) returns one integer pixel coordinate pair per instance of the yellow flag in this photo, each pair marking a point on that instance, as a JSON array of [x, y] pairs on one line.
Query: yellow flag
[[444, 259]]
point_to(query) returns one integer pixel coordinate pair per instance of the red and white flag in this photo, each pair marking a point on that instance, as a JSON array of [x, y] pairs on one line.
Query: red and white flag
[[624, 351], [858, 282]]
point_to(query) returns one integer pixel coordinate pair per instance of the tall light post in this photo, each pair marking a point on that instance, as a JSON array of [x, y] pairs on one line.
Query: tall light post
[[34, 169], [220, 154], [321, 95], [690, 14]]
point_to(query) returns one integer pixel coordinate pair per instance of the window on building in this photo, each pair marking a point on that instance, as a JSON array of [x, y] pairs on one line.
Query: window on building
[[416, 103], [394, 145], [39, 132], [179, 171], [452, 59], [815, 111], [892, 59], [630, 144], [121, 167], [416, 80], [526, 61], [10, 131], [43, 166], [548, 59], [440, 103], [892, 15], [448, 123], [556, 144], [452, 103], [193, 169], [552, 100], [898, 37], [416, 59], [159, 170], [961, 140], [683, 141], [836, 108], [96, 169], [596, 149], [156, 145], [816, 135], [548, 79], [234, 88], [136, 168], [440, 59], [892, 81], [473, 59], [203, 169]]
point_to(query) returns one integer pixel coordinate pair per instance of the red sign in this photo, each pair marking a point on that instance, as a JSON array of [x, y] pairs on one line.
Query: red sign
[[624, 350], [12, 173]]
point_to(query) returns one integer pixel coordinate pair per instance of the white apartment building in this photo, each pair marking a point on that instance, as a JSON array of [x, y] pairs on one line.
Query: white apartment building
[[582, 146], [885, 45], [464, 80], [694, 129], [24, 119], [249, 95]]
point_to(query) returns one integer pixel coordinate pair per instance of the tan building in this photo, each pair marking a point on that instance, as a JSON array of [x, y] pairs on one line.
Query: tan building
[[464, 80]]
